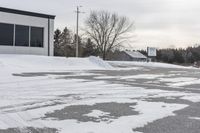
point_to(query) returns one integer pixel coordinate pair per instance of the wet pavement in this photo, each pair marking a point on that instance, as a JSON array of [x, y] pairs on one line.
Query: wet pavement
[[79, 112], [29, 130]]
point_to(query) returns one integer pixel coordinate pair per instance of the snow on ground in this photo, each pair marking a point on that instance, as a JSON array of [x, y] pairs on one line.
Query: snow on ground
[[195, 118], [10, 64], [26, 101], [18, 100], [175, 80], [191, 82], [180, 81], [105, 77], [41, 96], [147, 64], [97, 113], [123, 124], [143, 76], [44, 63]]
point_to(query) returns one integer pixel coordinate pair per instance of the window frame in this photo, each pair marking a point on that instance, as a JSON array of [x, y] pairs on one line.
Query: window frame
[[28, 35], [13, 38], [43, 36]]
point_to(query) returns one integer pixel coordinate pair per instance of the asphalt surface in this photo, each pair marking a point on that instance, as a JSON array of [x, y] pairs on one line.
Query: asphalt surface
[[181, 122]]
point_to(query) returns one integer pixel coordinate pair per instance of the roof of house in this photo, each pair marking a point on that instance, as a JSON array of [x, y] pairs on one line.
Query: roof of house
[[15, 11], [135, 54]]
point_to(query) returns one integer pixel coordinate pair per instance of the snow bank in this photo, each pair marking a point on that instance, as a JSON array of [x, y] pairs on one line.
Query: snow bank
[[147, 64], [33, 62], [100, 62]]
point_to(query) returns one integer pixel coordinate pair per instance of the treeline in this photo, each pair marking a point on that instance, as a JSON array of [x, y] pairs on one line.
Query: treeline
[[178, 56], [65, 44]]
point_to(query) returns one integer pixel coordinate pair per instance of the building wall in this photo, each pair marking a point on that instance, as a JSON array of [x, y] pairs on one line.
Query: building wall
[[28, 21], [51, 37]]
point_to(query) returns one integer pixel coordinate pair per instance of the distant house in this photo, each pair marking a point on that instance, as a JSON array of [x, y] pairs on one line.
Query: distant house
[[132, 56]]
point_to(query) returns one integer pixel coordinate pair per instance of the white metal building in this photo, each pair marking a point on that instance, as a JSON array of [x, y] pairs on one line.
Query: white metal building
[[23, 32]]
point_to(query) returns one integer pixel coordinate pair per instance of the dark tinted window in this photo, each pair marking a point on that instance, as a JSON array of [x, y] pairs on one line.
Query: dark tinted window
[[37, 37], [6, 34], [21, 35]]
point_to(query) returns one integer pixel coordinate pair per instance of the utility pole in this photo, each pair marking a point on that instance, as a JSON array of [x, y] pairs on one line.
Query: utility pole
[[77, 30]]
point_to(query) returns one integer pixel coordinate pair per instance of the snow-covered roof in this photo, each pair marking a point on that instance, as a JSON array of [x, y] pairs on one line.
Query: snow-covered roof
[[135, 54]]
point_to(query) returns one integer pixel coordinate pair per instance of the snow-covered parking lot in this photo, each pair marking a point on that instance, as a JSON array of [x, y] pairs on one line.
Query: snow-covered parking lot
[[86, 95]]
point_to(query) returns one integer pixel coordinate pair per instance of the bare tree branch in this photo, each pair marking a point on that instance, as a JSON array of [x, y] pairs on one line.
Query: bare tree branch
[[107, 30]]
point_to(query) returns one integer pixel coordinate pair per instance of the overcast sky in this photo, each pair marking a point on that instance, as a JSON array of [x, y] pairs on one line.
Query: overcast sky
[[158, 23]]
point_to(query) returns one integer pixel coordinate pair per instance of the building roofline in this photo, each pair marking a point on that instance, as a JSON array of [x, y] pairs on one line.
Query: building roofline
[[140, 56], [28, 13]]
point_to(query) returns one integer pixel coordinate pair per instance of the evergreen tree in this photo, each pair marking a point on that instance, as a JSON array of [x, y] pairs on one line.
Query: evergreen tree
[[89, 48], [57, 41], [65, 43], [66, 37], [178, 56]]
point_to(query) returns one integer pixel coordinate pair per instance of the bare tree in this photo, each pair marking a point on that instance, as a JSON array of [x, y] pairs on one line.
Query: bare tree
[[107, 30]]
